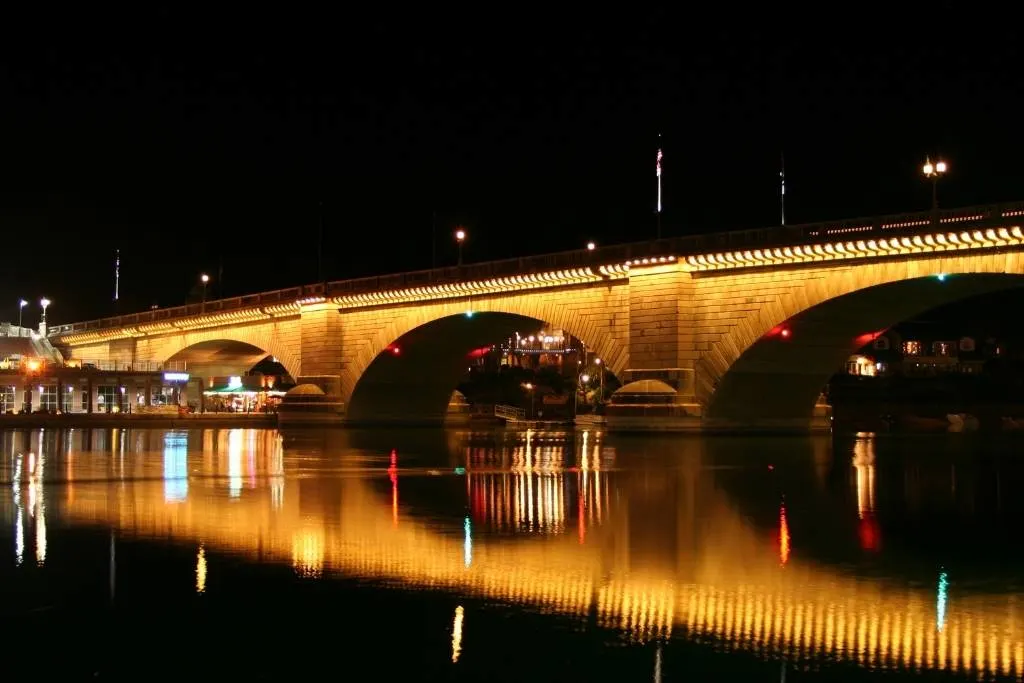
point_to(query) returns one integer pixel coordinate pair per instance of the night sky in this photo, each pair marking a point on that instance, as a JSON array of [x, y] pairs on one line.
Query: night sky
[[206, 140]]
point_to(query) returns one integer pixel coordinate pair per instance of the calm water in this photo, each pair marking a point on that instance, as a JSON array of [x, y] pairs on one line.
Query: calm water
[[505, 556]]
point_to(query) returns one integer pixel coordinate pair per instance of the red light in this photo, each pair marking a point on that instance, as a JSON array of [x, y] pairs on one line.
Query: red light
[[866, 338], [785, 333], [480, 353], [870, 535], [395, 350]]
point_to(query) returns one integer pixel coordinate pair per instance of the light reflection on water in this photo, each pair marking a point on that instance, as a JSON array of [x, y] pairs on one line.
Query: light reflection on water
[[652, 539]]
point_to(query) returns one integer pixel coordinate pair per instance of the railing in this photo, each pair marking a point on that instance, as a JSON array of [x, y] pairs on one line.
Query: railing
[[104, 365], [11, 330], [790, 235], [509, 413]]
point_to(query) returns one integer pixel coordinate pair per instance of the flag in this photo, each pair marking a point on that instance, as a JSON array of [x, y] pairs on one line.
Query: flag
[[659, 163]]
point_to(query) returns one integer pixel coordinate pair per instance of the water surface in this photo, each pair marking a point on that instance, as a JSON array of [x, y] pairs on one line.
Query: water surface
[[508, 556]]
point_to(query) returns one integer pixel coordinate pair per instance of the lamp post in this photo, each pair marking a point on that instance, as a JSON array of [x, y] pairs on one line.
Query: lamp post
[[591, 246], [460, 237], [529, 387], [600, 370], [205, 279], [21, 309], [45, 303], [581, 385], [933, 172]]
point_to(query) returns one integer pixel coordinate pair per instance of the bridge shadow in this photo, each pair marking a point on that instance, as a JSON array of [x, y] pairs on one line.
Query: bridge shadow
[[776, 381]]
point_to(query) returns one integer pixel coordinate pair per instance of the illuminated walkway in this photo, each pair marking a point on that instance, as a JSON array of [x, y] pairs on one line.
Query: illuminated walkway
[[734, 593]]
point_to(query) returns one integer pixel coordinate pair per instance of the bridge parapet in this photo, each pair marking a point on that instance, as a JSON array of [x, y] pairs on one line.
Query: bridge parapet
[[596, 262]]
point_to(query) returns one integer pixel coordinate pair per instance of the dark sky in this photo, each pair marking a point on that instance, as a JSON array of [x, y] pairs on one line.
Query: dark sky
[[195, 138]]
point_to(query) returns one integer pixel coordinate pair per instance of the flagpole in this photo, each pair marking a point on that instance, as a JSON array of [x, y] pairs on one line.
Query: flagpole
[[782, 189], [658, 172]]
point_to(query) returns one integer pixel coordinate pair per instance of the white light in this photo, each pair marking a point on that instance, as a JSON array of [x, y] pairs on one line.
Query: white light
[[176, 376], [234, 382], [584, 378], [22, 303], [469, 314], [940, 167], [591, 246], [460, 235], [928, 168], [941, 276], [204, 278], [44, 302]]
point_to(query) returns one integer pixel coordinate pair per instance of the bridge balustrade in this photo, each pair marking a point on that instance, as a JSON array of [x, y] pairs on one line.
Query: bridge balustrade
[[104, 365], [759, 238]]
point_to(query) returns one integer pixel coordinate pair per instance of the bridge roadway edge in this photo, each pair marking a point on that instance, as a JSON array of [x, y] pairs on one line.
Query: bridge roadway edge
[[686, 322]]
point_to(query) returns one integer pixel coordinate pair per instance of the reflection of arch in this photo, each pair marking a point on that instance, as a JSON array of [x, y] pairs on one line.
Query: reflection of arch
[[412, 376], [788, 351]]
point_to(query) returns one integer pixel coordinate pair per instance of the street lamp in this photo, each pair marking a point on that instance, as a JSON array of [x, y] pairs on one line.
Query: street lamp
[[933, 172], [44, 302], [591, 246], [21, 308], [205, 279], [460, 237], [584, 378], [529, 387]]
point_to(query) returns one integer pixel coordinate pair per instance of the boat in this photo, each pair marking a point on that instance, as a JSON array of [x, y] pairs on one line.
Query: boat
[[923, 424], [1013, 423], [962, 422]]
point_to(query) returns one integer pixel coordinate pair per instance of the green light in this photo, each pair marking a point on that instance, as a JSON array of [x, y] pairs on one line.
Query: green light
[[941, 276], [469, 314], [460, 470]]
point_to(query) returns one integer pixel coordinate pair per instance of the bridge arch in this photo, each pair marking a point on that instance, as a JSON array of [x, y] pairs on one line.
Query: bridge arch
[[769, 371], [434, 341], [241, 347]]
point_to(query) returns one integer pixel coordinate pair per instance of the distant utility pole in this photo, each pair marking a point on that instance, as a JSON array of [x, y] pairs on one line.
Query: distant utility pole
[[433, 240], [320, 248], [117, 275]]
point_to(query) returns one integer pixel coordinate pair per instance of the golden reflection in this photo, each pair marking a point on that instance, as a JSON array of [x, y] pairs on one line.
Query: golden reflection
[[201, 570], [864, 463], [725, 584], [457, 633], [308, 552], [235, 445], [277, 473], [393, 475], [783, 536]]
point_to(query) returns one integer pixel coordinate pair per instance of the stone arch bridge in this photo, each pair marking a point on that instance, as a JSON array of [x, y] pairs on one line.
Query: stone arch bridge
[[744, 327]]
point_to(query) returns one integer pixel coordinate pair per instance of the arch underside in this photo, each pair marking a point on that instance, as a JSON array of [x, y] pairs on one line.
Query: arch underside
[[220, 357], [776, 382], [415, 385]]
